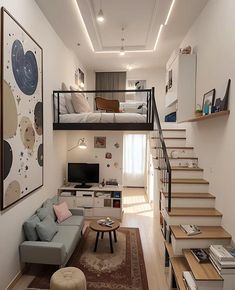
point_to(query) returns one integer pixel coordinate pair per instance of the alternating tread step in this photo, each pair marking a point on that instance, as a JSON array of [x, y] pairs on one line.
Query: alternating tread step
[[184, 168], [203, 195], [189, 181], [179, 265], [177, 138], [201, 271], [175, 158], [194, 211], [207, 232], [176, 147]]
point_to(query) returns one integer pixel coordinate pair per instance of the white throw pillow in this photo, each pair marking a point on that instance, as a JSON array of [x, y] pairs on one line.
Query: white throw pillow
[[62, 104], [68, 99], [80, 103]]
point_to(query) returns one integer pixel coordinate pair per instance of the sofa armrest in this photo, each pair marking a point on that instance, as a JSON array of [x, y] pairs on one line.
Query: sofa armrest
[[42, 252], [77, 211]]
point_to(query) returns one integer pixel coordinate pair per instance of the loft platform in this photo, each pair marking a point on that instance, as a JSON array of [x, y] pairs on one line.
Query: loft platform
[[133, 110]]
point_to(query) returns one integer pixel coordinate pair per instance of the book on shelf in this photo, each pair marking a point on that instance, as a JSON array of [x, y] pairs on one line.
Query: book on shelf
[[223, 253], [219, 268], [201, 255], [190, 230], [189, 280]]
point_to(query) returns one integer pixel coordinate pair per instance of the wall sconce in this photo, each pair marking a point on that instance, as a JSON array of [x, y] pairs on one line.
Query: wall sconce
[[81, 144]]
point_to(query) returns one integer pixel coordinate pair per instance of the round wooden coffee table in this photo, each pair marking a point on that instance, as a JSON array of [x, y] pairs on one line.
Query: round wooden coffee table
[[104, 229]]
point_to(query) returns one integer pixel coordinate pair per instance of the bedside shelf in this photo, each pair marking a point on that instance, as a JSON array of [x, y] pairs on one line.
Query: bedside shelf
[[210, 116]]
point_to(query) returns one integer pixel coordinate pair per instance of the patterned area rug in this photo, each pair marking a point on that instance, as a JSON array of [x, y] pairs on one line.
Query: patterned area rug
[[122, 270]]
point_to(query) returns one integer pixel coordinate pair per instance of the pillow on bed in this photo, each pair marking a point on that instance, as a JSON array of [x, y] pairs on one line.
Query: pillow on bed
[[68, 99], [63, 109], [80, 103]]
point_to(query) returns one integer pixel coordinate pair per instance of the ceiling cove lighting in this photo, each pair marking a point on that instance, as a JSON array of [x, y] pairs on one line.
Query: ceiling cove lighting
[[100, 15], [169, 12], [158, 36]]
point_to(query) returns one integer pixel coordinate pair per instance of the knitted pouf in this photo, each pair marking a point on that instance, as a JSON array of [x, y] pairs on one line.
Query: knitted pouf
[[69, 278]]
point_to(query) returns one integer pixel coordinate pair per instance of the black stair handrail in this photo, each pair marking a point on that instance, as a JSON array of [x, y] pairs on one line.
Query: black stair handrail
[[163, 148]]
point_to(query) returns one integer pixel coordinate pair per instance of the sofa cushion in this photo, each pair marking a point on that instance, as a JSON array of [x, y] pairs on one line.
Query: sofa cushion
[[49, 204], [62, 212], [68, 236], [74, 220], [46, 229], [29, 227], [42, 212]]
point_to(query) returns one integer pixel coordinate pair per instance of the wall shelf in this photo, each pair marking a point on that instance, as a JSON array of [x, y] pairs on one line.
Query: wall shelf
[[210, 116]]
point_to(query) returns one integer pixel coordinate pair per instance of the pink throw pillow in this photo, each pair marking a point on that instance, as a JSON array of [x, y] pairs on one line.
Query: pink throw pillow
[[62, 212]]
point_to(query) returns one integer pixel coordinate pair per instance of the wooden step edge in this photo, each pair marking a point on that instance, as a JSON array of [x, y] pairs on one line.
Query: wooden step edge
[[174, 130], [207, 232], [187, 181], [201, 195], [175, 147], [175, 138], [181, 168], [179, 265], [183, 158], [169, 249], [194, 211], [201, 271]]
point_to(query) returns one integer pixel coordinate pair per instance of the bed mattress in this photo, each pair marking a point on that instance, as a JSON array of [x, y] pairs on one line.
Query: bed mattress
[[103, 118]]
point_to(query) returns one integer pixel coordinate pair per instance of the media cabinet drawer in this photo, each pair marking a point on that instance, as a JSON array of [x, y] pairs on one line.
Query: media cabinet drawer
[[84, 201]]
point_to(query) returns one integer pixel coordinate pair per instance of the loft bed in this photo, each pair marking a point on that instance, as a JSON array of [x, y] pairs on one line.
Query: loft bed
[[107, 114]]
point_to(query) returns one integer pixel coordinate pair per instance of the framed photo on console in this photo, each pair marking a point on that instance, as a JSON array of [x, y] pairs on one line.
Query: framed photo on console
[[208, 102], [21, 112]]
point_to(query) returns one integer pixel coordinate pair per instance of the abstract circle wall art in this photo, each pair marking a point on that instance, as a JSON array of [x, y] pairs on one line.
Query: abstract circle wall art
[[22, 118]]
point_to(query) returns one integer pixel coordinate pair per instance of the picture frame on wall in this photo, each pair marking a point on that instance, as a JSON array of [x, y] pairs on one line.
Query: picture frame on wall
[[208, 102], [21, 112], [99, 142]]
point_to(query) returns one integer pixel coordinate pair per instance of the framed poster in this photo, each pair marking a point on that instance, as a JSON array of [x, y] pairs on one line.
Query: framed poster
[[21, 112]]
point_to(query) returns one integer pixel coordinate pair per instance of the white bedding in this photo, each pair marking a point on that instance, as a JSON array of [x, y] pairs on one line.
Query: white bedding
[[103, 118]]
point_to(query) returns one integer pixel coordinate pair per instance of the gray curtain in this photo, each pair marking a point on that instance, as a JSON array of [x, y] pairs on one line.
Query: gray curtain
[[111, 81]]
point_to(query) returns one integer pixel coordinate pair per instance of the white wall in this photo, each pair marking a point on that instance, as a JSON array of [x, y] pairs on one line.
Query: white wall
[[155, 77], [97, 155], [213, 39], [59, 65]]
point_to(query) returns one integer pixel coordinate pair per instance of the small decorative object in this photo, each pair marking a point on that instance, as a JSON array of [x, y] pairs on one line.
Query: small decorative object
[[169, 79], [103, 182], [108, 165], [117, 145], [115, 164], [224, 102], [208, 102], [217, 105], [174, 154], [108, 155], [22, 112], [186, 50], [100, 142], [198, 111]]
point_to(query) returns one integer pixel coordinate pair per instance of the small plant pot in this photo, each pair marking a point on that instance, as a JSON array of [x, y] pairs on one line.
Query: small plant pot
[[198, 114]]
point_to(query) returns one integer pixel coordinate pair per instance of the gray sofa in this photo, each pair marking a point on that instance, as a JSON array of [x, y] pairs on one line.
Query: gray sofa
[[59, 249]]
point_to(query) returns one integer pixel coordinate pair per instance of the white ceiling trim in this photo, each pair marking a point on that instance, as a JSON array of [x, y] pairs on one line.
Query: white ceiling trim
[[95, 39]]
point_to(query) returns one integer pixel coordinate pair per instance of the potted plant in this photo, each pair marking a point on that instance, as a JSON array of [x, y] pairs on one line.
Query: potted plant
[[198, 111]]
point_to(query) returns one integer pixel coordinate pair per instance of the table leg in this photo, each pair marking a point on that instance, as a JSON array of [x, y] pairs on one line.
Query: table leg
[[96, 241], [102, 235], [111, 243], [115, 236]]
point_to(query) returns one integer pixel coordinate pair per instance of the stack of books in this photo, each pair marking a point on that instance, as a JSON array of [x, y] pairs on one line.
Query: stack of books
[[190, 230], [223, 258], [189, 280]]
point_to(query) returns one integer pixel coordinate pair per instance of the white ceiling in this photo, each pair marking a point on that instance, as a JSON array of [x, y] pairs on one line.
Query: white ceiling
[[75, 22]]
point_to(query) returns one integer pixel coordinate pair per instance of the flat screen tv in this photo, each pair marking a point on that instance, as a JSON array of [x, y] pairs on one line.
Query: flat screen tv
[[83, 173]]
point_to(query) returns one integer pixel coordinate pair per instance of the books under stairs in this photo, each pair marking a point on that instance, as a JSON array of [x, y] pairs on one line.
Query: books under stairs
[[191, 204]]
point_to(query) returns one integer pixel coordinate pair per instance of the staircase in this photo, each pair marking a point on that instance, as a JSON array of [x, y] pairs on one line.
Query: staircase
[[190, 203]]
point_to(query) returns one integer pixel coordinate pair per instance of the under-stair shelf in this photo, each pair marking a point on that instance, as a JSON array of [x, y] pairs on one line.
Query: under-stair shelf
[[179, 265], [210, 116]]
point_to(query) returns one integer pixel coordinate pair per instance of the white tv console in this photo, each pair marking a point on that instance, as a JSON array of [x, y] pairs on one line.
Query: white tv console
[[97, 201]]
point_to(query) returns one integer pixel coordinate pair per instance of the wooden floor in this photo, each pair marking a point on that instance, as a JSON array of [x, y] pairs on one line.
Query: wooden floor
[[137, 213]]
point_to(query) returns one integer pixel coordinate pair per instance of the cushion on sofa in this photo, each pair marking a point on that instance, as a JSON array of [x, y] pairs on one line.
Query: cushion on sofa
[[42, 212], [62, 212], [29, 227], [49, 204], [46, 229], [74, 220], [68, 236]]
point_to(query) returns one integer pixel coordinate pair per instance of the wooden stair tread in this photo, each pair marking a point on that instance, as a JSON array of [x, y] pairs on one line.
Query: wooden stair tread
[[202, 195], [207, 232], [189, 181], [172, 158], [179, 264], [203, 271], [181, 168], [194, 211], [176, 147], [169, 249], [177, 138], [174, 130]]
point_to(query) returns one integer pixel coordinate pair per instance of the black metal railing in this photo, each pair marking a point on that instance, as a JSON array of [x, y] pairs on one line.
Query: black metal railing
[[162, 156], [58, 93]]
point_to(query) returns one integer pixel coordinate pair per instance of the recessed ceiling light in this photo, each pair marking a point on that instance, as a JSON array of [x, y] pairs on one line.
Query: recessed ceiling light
[[100, 16], [122, 51], [129, 67]]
